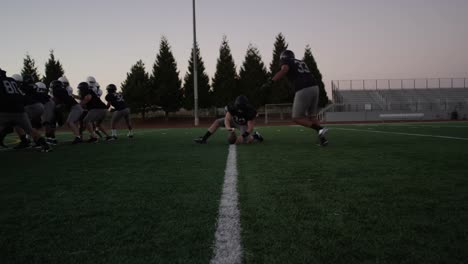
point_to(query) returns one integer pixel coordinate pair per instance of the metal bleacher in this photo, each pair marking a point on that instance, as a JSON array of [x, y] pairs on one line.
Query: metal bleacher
[[401, 95]]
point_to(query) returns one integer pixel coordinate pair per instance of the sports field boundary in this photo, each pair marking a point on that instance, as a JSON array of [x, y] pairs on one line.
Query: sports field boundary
[[399, 133], [227, 247]]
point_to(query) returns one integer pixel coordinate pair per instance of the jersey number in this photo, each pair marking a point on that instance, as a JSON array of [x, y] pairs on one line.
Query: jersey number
[[302, 67], [11, 88]]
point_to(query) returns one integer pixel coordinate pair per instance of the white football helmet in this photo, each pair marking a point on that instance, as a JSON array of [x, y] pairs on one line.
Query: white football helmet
[[64, 80], [41, 87], [91, 81], [17, 77]]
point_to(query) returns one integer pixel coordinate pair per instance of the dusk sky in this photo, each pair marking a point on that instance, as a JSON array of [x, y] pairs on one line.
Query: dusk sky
[[350, 39]]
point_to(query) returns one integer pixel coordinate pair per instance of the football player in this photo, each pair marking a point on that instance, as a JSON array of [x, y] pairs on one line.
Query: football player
[[62, 97], [32, 106], [120, 110], [48, 116], [96, 111], [239, 115], [306, 96], [12, 113], [66, 84]]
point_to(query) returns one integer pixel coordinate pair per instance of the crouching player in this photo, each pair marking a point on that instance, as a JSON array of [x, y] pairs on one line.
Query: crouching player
[[239, 115], [120, 110], [96, 111], [62, 97]]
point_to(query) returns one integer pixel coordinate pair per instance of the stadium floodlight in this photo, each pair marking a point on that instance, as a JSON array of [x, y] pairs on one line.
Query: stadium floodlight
[[195, 74]]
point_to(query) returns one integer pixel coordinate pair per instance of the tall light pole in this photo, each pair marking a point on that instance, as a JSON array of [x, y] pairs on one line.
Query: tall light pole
[[195, 74]]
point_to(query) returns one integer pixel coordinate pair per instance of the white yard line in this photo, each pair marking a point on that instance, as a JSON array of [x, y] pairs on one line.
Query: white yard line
[[228, 247], [400, 133]]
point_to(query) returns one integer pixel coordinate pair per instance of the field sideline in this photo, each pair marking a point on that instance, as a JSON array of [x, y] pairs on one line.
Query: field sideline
[[380, 193]]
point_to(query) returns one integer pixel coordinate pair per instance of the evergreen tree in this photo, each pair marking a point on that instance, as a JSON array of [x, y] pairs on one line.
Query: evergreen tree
[[252, 76], [225, 79], [281, 91], [135, 88], [203, 84], [312, 65], [29, 68], [53, 69], [164, 81]]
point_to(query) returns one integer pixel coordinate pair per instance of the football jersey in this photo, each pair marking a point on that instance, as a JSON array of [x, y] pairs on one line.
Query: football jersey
[[11, 97], [30, 94], [299, 74], [62, 96], [241, 116], [95, 102], [42, 95], [116, 100]]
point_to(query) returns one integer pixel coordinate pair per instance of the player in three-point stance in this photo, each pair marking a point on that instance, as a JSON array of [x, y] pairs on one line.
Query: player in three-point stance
[[239, 115]]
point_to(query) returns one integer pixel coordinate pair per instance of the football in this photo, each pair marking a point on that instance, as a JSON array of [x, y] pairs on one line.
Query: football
[[232, 138]]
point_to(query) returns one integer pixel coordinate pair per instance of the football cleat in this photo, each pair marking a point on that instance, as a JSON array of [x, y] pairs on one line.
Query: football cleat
[[322, 132], [77, 140], [257, 136], [200, 140], [52, 141], [322, 141], [109, 138], [46, 148]]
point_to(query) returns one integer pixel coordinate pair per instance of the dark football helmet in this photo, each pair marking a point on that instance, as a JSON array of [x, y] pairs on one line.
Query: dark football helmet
[[83, 87], [55, 85], [241, 101], [287, 55], [111, 88], [28, 79]]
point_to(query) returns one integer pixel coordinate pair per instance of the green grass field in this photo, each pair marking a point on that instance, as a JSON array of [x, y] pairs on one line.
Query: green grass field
[[379, 193]]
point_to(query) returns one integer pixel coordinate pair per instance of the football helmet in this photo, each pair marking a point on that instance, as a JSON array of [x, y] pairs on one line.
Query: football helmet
[[64, 80], [55, 85], [28, 79], [91, 81], [83, 87], [111, 88], [241, 101], [17, 77], [41, 86], [287, 55]]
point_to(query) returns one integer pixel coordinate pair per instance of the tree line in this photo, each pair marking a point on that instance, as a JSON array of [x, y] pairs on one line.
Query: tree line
[[163, 89]]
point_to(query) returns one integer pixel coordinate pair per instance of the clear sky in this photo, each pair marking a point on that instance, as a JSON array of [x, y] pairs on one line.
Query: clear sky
[[350, 39]]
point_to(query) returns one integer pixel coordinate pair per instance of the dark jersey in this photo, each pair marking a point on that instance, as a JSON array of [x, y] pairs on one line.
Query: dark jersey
[[299, 74], [11, 97], [116, 100], [62, 97], [30, 94], [42, 95], [95, 102], [241, 116]]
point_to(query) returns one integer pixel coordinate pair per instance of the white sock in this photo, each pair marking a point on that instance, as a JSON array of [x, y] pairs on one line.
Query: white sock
[[114, 133]]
